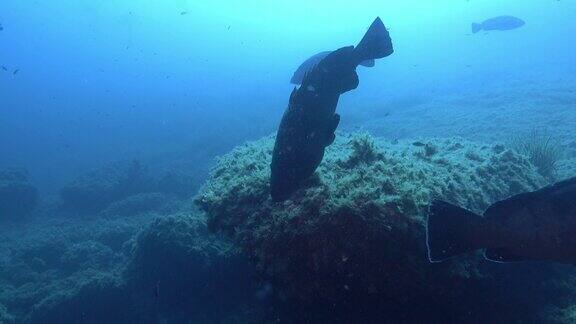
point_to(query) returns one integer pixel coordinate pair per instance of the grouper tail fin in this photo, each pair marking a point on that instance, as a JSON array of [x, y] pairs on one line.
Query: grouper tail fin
[[450, 231], [375, 44], [476, 28]]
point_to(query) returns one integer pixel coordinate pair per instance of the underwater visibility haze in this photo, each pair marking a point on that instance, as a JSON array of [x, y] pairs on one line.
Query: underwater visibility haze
[[287, 161]]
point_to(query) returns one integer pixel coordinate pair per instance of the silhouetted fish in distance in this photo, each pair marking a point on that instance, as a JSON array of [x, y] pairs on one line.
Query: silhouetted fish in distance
[[533, 226], [309, 122], [498, 23], [311, 62]]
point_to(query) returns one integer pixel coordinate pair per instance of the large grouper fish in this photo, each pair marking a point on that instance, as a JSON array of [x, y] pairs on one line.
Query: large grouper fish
[[309, 122], [500, 23], [533, 226]]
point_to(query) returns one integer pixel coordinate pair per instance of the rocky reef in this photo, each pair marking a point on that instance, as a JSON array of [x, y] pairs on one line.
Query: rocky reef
[[194, 275], [99, 188], [123, 188], [566, 168], [65, 270], [145, 268], [352, 240], [18, 198], [5, 318]]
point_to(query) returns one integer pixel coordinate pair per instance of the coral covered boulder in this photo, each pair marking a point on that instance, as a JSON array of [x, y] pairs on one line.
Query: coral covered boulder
[[354, 235], [18, 197]]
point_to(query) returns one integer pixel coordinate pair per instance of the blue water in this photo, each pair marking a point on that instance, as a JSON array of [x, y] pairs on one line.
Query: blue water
[[103, 81], [173, 84]]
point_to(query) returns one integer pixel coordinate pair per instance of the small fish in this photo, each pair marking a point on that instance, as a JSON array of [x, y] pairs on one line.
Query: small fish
[[16, 71], [1, 27], [418, 144], [498, 23], [533, 226], [4, 68], [183, 13], [157, 290]]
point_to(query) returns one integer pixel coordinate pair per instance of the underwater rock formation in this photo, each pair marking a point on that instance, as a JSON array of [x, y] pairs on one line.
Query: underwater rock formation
[[18, 197], [142, 203], [159, 264], [127, 188], [98, 189], [563, 315], [353, 237], [50, 266], [95, 297], [190, 273], [5, 318], [566, 169]]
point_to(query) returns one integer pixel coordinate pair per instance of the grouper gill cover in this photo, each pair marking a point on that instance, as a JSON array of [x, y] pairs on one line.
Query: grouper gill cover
[[282, 161]]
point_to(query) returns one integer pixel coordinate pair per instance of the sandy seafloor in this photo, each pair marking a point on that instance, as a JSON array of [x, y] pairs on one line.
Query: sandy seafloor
[[495, 113], [33, 288]]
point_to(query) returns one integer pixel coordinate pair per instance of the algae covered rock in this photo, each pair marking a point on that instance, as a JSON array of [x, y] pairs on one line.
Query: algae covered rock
[[53, 264], [142, 203], [126, 189], [562, 315], [190, 273], [5, 317], [566, 169], [18, 197], [97, 190], [97, 297], [354, 235]]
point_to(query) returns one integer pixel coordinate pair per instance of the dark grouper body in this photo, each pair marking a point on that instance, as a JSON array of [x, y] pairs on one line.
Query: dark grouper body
[[310, 63], [534, 226], [310, 120]]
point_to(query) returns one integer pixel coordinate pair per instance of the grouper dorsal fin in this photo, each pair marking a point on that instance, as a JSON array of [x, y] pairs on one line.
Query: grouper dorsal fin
[[506, 206], [307, 66]]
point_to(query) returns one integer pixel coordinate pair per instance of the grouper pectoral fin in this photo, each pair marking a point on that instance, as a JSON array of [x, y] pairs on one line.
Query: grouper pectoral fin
[[503, 255], [368, 63], [332, 129]]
